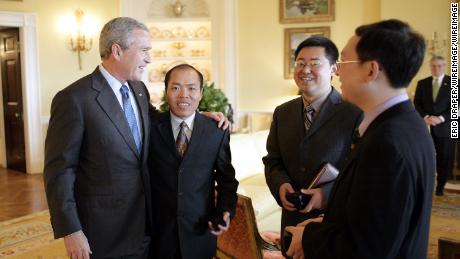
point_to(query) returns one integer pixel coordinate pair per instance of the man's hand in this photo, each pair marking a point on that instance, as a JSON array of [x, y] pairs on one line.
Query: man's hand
[[308, 221], [316, 201], [295, 249], [286, 188], [221, 229], [432, 120], [223, 122], [77, 245]]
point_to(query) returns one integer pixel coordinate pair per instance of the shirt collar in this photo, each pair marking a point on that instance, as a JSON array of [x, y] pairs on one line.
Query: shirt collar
[[370, 116], [176, 121], [113, 82], [317, 103], [439, 78]]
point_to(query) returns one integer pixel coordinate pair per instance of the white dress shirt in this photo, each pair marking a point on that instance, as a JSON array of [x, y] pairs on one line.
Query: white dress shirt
[[176, 121], [116, 85]]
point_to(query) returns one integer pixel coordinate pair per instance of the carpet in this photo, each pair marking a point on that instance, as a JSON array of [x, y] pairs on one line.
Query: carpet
[[445, 221], [31, 236], [28, 237]]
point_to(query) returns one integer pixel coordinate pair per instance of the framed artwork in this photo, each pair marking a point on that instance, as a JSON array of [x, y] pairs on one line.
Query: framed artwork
[[292, 38], [301, 11]]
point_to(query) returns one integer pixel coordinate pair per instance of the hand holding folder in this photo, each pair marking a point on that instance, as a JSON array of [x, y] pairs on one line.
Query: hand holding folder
[[326, 174]]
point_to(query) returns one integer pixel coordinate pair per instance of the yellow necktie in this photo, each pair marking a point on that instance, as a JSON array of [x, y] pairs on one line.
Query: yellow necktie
[[436, 86]]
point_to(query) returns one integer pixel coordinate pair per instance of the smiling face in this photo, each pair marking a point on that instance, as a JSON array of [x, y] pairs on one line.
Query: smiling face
[[134, 59], [313, 72], [183, 92], [352, 75]]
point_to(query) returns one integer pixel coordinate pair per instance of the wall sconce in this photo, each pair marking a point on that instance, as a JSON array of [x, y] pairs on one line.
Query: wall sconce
[[303, 5], [80, 43], [436, 46], [79, 29]]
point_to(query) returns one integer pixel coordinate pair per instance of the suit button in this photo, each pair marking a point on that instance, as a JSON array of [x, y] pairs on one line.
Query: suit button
[[179, 194], [302, 169], [180, 170]]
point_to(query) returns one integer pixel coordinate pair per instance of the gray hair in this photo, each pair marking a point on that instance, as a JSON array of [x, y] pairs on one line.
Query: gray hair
[[119, 31], [437, 57]]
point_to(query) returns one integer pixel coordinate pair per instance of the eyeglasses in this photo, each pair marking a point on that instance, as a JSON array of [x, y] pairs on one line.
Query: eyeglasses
[[340, 63], [312, 64]]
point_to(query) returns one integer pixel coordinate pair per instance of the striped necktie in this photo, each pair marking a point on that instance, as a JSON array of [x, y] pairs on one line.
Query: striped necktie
[[308, 113], [182, 140], [130, 117]]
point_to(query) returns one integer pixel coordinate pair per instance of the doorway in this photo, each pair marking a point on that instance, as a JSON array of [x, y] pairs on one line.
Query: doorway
[[10, 66], [31, 115]]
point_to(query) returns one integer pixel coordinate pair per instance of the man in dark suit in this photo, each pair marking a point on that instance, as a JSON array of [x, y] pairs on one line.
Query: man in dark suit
[[188, 155], [301, 141], [432, 101], [380, 204], [96, 176]]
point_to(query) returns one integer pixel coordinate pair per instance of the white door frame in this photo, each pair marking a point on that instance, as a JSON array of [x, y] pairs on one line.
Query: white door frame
[[27, 24]]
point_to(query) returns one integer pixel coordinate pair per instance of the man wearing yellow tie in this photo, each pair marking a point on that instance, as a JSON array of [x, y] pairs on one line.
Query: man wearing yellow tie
[[432, 101]]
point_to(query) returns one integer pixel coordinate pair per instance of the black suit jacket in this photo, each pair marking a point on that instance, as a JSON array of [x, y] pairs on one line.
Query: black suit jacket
[[381, 203], [425, 105], [94, 178], [295, 158], [184, 190]]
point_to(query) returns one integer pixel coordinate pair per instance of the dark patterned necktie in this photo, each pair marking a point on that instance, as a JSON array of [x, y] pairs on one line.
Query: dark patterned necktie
[[308, 113], [130, 117], [181, 140]]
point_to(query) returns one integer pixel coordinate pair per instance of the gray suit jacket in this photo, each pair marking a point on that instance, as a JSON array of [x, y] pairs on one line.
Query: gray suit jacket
[[94, 178], [295, 158]]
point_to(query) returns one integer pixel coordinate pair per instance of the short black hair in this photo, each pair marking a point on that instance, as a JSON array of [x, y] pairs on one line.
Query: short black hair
[[397, 48], [180, 67], [332, 53]]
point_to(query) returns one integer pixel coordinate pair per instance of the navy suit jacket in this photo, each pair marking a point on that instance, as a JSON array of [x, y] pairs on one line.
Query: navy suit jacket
[[380, 205], [183, 190]]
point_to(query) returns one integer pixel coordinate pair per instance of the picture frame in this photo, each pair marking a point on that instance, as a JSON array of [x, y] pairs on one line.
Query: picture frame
[[292, 38], [301, 11]]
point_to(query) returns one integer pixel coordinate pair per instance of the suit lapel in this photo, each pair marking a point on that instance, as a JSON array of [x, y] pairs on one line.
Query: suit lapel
[[299, 123], [165, 129], [112, 108], [350, 157], [443, 90], [197, 137], [328, 110]]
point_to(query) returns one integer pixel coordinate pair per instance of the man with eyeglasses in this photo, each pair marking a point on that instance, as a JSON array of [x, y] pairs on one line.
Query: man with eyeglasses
[[380, 204], [309, 131], [432, 101]]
